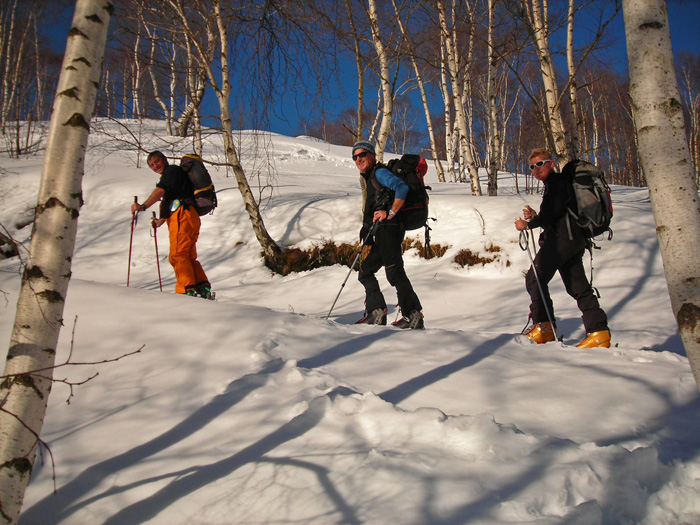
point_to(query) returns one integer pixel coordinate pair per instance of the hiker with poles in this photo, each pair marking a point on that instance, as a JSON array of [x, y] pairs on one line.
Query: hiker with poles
[[561, 249], [383, 231], [177, 210]]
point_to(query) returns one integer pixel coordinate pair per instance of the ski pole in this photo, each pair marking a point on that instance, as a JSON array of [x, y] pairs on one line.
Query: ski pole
[[357, 257], [155, 238], [134, 215], [525, 246]]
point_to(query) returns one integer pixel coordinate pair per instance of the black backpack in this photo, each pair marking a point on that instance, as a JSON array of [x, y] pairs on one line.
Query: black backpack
[[204, 192], [592, 192], [412, 169]]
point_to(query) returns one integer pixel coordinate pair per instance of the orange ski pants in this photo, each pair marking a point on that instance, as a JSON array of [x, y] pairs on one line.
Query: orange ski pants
[[183, 228]]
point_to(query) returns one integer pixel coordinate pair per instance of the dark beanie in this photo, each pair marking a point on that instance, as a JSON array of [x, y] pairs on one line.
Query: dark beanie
[[365, 145]]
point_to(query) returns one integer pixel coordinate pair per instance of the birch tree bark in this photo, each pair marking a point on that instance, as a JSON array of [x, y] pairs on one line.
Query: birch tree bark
[[536, 18], [461, 116], [665, 158], [575, 147], [23, 394], [217, 30], [423, 95], [493, 136], [385, 82], [360, 75]]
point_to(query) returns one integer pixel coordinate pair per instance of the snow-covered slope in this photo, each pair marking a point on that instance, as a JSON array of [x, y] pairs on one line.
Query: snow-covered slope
[[256, 409]]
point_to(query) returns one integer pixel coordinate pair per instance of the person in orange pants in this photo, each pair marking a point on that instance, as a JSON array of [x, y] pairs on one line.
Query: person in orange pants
[[183, 227], [177, 193]]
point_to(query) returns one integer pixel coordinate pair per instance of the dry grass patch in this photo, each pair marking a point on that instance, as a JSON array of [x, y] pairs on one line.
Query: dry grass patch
[[295, 260], [468, 258]]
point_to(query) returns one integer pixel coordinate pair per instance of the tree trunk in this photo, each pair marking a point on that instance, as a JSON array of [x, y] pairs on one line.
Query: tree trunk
[[223, 93], [539, 33], [360, 74], [575, 146], [47, 273], [665, 158], [424, 97], [493, 139], [461, 116], [386, 84]]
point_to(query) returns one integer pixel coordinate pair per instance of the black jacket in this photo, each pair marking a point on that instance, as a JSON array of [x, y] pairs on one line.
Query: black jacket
[[177, 185], [553, 217]]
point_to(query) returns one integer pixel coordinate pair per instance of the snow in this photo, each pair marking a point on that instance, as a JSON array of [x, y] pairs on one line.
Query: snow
[[256, 409]]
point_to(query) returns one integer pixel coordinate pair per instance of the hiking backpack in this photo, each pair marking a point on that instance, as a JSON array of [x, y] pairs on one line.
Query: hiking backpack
[[412, 169], [204, 192], [592, 192]]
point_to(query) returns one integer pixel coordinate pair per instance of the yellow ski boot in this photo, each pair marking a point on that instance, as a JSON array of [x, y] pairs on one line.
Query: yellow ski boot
[[541, 333], [595, 340]]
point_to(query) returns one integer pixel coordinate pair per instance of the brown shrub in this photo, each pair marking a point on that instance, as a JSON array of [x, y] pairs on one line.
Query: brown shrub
[[435, 250], [468, 258], [294, 260]]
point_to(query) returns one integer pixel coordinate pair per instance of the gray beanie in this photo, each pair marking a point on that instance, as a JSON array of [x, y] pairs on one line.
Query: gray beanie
[[365, 145]]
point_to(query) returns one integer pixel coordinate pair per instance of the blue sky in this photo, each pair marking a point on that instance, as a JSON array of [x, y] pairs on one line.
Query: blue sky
[[684, 20]]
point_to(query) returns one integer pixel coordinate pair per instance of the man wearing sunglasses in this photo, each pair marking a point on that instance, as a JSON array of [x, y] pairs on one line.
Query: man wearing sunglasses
[[561, 249], [382, 229]]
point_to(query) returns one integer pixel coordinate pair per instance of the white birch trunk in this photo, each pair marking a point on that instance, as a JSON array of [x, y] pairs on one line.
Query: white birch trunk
[[45, 281], [575, 147], [223, 93], [360, 77], [384, 79], [449, 150], [536, 18], [465, 147], [424, 97], [665, 158], [493, 142]]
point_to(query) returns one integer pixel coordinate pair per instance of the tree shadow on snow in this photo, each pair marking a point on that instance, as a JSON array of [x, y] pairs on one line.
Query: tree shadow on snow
[[408, 388], [68, 498], [201, 476]]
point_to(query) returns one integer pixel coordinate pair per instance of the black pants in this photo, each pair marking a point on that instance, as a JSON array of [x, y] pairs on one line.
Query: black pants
[[386, 251], [547, 263]]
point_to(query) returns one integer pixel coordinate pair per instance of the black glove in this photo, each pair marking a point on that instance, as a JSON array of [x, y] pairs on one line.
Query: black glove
[[364, 232]]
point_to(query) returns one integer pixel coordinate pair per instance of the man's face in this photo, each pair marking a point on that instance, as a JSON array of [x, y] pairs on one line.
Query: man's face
[[157, 164], [364, 160], [544, 169]]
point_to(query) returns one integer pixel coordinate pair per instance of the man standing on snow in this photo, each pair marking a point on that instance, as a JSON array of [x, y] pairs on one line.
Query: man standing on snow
[[559, 252], [177, 192], [386, 194]]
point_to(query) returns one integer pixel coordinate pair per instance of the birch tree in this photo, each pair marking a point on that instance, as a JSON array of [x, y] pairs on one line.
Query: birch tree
[[536, 18], [384, 80], [492, 114], [24, 392], [458, 100], [665, 158], [423, 94], [216, 25]]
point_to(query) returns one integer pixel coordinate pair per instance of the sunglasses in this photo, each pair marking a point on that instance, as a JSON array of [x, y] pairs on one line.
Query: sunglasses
[[360, 155], [539, 164]]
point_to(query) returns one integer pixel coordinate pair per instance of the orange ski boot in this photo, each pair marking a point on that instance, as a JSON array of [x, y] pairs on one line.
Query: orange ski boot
[[541, 333], [595, 340]]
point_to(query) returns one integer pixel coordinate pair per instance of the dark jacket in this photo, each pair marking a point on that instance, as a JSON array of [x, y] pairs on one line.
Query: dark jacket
[[177, 186], [553, 217], [382, 187]]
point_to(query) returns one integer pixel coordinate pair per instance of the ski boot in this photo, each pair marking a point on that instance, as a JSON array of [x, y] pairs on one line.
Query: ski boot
[[205, 292], [414, 321], [376, 316], [541, 333], [595, 340]]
